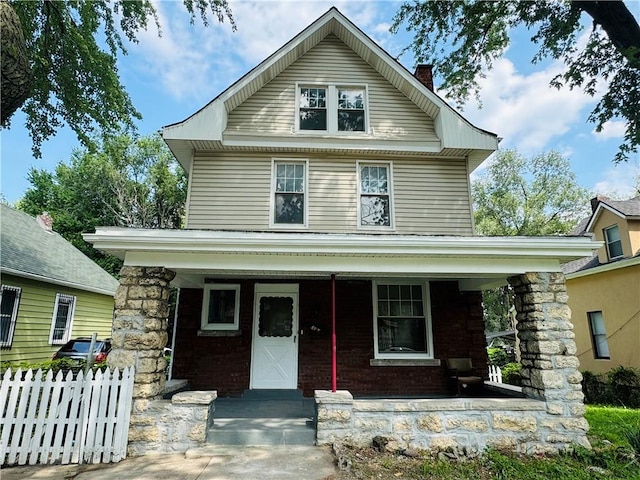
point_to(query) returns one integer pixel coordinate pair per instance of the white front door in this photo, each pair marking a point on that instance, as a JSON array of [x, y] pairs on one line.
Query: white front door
[[274, 356]]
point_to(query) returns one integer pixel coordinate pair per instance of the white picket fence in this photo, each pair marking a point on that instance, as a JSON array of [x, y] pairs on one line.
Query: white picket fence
[[64, 419], [495, 374]]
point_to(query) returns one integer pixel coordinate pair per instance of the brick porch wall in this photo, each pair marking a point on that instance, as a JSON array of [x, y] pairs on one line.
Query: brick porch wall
[[223, 363]]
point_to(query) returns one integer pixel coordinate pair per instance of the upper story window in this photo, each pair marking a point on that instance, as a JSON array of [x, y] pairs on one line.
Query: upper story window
[[289, 184], [221, 307], [374, 190], [614, 243], [401, 320], [332, 108], [62, 319], [9, 301]]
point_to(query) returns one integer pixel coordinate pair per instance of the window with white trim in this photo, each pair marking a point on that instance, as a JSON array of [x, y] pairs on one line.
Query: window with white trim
[[332, 108], [614, 243], [374, 192], [289, 186], [221, 307], [598, 335], [9, 302], [62, 319], [402, 322]]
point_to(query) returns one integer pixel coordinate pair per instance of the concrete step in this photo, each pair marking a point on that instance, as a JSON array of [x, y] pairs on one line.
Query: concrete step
[[262, 431]]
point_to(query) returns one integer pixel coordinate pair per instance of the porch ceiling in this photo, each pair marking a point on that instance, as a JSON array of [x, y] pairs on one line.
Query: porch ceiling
[[476, 262]]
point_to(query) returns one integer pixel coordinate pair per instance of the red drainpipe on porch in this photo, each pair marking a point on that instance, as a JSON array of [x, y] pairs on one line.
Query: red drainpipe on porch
[[334, 363]]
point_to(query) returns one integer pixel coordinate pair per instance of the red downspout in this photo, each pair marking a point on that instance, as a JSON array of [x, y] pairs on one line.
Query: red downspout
[[334, 365]]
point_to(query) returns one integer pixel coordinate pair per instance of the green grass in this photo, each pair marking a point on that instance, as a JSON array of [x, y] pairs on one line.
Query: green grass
[[611, 423]]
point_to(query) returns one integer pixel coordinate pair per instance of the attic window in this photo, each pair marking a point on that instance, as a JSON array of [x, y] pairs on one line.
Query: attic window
[[614, 243], [332, 108]]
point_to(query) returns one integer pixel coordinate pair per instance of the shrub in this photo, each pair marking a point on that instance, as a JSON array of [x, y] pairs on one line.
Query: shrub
[[619, 386], [511, 374], [497, 356]]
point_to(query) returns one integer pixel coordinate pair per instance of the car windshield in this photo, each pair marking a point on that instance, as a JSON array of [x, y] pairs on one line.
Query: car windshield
[[80, 346]]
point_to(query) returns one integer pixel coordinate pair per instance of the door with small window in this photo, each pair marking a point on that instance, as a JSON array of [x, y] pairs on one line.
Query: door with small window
[[274, 359]]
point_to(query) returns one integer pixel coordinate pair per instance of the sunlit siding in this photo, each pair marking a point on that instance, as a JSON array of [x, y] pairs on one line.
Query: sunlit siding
[[232, 192], [272, 109], [93, 313]]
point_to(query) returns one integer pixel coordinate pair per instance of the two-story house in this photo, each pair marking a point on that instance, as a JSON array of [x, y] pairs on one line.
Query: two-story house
[[604, 290], [329, 240]]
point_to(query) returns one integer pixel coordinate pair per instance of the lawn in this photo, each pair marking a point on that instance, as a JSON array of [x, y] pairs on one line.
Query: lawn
[[611, 458]]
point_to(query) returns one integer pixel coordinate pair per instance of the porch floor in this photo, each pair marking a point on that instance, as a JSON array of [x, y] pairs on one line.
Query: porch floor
[[264, 417]]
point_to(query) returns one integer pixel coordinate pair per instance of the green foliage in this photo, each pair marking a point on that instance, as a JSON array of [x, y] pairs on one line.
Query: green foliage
[[511, 374], [519, 196], [74, 78], [463, 39], [61, 364], [130, 183], [613, 424], [619, 386], [496, 303], [497, 357]]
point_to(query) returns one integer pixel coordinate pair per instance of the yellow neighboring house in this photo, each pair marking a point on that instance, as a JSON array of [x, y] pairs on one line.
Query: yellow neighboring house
[[49, 290], [604, 291]]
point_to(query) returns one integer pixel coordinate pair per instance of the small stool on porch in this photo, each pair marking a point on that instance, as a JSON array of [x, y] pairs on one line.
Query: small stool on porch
[[463, 376]]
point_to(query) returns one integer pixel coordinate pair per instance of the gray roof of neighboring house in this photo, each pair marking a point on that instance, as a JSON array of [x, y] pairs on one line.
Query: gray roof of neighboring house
[[580, 264], [28, 250], [629, 208]]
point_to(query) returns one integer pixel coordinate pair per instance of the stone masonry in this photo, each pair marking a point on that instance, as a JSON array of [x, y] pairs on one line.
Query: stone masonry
[[551, 418], [139, 337]]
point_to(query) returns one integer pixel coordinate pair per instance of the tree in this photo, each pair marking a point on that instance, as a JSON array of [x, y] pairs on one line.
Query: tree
[[129, 183], [55, 67], [519, 196], [463, 38]]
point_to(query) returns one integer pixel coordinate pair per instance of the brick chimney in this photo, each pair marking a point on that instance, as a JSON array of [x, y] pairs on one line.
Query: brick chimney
[[424, 73], [45, 221]]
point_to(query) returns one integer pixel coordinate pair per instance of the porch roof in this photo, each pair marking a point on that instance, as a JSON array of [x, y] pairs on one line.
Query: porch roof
[[476, 262]]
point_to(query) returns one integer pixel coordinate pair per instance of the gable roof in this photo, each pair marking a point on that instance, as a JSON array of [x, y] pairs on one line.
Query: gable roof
[[28, 250], [627, 209], [204, 129]]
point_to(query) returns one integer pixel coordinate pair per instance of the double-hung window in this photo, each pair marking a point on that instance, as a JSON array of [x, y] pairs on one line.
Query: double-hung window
[[9, 301], [375, 195], [221, 307], [289, 186], [614, 243], [62, 319], [598, 335], [402, 322], [332, 108]]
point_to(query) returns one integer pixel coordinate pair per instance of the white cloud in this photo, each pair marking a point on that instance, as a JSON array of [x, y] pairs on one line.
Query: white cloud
[[610, 129], [523, 109], [618, 181]]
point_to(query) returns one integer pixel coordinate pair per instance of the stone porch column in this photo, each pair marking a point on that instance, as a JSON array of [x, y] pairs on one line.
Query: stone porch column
[[549, 362], [140, 328]]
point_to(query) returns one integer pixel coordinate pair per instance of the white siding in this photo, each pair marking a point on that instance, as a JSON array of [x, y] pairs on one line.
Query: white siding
[[231, 191], [271, 110]]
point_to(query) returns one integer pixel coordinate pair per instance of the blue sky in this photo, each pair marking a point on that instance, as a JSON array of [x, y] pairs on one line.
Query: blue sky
[[171, 77]]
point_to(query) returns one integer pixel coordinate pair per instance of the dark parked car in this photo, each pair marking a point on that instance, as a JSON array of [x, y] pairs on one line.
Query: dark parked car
[[78, 348]]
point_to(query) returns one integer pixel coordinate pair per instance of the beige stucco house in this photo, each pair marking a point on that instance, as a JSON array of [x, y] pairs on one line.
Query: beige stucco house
[[329, 248], [604, 290]]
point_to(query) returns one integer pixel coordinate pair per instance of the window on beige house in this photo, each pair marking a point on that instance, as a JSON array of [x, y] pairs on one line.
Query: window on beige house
[[598, 335], [332, 108], [614, 243]]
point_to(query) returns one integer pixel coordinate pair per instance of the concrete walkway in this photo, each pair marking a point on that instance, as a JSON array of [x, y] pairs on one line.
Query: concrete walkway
[[206, 463]]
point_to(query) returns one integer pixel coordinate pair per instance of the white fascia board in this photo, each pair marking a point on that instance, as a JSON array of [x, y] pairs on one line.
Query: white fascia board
[[596, 215], [115, 239], [55, 281], [607, 267], [207, 124]]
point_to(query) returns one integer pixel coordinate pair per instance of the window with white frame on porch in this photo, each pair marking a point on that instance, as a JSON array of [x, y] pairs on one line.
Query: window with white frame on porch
[[332, 108], [402, 322], [375, 204], [221, 307], [289, 186], [9, 302], [62, 319]]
